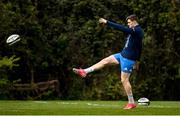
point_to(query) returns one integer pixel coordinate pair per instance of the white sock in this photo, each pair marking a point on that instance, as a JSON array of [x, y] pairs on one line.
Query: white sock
[[88, 70], [131, 99]]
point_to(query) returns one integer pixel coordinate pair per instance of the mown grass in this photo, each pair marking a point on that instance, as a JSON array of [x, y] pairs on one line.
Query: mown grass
[[86, 108]]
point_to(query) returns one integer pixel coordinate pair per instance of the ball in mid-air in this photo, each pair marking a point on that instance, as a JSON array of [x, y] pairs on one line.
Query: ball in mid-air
[[13, 39]]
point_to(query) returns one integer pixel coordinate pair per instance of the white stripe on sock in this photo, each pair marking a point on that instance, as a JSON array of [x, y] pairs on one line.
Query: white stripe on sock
[[130, 98], [88, 70]]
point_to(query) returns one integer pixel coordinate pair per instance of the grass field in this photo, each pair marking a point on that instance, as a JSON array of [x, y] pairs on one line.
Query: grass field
[[86, 108]]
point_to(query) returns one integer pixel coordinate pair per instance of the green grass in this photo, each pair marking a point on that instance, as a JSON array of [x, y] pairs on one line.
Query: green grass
[[86, 108]]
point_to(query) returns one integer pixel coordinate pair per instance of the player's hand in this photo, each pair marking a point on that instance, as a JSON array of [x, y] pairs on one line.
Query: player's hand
[[102, 21]]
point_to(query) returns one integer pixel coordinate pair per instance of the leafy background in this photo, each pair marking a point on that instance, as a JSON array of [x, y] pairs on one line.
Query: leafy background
[[58, 35]]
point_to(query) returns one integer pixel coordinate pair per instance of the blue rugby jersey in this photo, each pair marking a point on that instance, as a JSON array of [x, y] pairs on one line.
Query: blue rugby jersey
[[133, 47]]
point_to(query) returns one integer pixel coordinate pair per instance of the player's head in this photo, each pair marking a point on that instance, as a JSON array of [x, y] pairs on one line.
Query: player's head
[[131, 20]]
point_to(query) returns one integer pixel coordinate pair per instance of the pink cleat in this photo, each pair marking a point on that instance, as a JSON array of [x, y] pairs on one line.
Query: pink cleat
[[80, 72], [130, 106]]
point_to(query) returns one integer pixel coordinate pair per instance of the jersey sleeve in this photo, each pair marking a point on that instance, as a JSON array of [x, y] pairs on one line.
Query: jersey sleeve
[[120, 27]]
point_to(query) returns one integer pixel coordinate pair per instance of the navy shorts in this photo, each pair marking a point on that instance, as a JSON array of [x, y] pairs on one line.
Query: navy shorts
[[126, 65]]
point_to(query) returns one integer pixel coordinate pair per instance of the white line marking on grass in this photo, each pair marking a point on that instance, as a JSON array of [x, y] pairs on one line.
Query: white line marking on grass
[[157, 106], [160, 106], [68, 103], [43, 102], [102, 105]]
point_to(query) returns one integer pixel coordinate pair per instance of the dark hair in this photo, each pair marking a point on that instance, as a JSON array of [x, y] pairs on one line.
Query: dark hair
[[131, 17]]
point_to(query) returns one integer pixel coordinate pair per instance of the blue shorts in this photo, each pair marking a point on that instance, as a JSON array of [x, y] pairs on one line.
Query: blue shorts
[[126, 65]]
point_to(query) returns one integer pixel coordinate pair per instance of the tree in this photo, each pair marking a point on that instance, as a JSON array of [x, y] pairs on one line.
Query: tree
[[60, 34]]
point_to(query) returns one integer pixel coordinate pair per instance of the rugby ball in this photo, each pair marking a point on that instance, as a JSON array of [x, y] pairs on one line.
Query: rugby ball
[[12, 39], [144, 101]]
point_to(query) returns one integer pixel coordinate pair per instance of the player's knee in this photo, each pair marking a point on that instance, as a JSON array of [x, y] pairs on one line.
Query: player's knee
[[124, 81], [126, 84]]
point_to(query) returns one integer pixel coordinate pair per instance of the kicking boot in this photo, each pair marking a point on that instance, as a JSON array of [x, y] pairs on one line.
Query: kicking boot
[[130, 106], [80, 72]]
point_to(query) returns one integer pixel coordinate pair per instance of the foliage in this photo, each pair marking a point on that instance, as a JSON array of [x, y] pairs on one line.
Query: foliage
[[6, 65], [9, 61], [61, 34]]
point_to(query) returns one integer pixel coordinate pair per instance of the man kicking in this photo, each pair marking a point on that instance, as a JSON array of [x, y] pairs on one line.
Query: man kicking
[[126, 59]]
